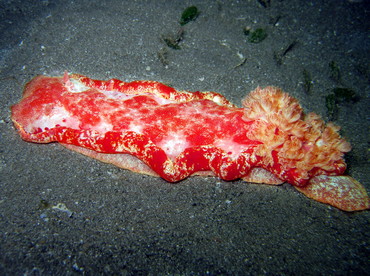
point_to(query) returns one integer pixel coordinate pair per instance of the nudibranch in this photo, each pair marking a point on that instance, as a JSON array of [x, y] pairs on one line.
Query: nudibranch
[[151, 128]]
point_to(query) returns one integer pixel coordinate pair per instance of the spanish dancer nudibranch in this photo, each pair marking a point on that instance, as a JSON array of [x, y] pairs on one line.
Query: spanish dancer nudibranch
[[151, 128]]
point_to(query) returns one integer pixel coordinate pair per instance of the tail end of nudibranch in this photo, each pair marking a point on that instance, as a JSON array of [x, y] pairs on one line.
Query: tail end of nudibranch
[[343, 192]]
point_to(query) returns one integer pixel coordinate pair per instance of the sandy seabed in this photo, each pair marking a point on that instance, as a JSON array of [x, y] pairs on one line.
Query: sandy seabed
[[63, 213]]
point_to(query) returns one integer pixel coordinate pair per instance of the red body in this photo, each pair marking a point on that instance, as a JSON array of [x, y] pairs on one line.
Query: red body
[[179, 133]]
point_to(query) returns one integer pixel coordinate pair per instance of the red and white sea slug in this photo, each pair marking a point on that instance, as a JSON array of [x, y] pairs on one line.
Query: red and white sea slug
[[151, 128]]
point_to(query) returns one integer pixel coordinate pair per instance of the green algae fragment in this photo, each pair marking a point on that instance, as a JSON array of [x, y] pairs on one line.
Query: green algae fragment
[[364, 70], [257, 35], [43, 204], [173, 40], [189, 14], [172, 43], [163, 56], [265, 3], [345, 94], [334, 71], [340, 95], [279, 56], [331, 106], [307, 81]]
